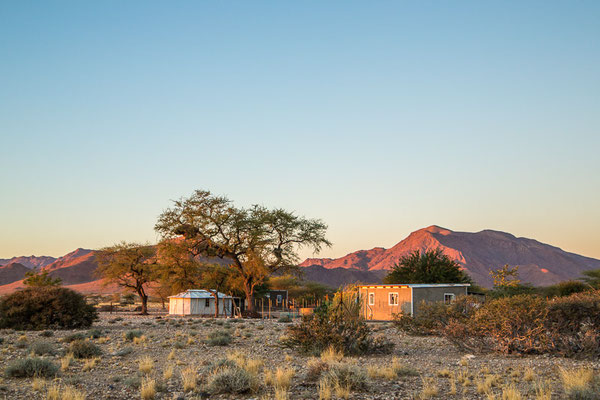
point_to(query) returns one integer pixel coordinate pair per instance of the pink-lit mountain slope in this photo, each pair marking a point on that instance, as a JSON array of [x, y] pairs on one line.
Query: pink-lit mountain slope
[[478, 253]]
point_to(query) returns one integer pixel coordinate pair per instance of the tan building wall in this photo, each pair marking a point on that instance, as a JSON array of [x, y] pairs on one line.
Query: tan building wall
[[380, 303]]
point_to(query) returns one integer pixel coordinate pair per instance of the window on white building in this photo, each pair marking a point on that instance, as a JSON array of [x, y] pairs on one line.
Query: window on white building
[[448, 298]]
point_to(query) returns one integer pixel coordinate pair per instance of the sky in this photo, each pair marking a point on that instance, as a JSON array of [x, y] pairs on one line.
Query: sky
[[380, 118]]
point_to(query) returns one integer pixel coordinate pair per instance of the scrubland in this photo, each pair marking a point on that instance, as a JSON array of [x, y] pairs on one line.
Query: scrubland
[[127, 356]]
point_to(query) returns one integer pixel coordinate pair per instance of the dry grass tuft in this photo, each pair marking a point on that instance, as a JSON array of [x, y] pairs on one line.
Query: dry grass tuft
[[38, 384], [444, 373], [578, 383], [55, 392], [330, 355], [148, 389], [188, 377], [146, 365], [511, 393], [429, 390], [66, 361], [171, 355], [342, 391], [90, 363], [543, 391], [168, 372], [529, 374], [315, 368], [325, 392]]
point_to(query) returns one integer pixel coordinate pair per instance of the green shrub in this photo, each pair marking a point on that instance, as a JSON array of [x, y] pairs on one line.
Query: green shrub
[[47, 333], [41, 348], [45, 307], [285, 319], [130, 335], [219, 337], [566, 288], [73, 337], [84, 349], [433, 317], [94, 333], [31, 367], [338, 324], [233, 380]]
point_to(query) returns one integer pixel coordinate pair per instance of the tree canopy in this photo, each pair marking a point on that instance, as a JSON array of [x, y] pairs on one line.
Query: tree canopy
[[129, 265], [253, 242], [431, 266]]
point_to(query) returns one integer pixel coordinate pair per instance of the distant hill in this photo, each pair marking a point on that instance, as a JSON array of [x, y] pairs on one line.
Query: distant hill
[[478, 254], [29, 261], [12, 272]]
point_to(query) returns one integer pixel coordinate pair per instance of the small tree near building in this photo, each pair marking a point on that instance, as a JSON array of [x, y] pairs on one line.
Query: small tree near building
[[431, 266], [129, 265]]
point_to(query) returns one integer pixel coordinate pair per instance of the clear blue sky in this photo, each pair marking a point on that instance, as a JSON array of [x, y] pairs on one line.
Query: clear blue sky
[[378, 117]]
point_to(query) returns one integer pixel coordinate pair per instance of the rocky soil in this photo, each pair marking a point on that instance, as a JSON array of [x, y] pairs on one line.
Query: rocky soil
[[180, 343]]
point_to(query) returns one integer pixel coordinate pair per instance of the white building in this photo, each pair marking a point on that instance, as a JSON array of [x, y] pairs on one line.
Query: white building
[[200, 302]]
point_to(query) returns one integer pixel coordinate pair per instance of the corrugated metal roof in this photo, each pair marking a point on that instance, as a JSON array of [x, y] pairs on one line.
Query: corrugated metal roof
[[198, 294], [416, 285]]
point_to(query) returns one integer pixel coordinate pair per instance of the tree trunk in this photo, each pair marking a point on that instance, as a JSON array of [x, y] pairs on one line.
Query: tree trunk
[[249, 290], [144, 298], [216, 304]]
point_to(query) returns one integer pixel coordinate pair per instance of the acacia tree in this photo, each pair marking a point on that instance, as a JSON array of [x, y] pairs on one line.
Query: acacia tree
[[180, 269], [254, 242], [431, 266], [129, 265]]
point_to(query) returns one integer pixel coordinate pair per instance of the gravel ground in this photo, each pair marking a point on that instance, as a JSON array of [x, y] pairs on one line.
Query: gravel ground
[[116, 374]]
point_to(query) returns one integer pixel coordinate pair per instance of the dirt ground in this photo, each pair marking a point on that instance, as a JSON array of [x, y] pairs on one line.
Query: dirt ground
[[180, 343]]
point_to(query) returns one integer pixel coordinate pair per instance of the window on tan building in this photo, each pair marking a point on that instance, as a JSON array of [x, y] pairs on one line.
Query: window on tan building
[[393, 299], [371, 299]]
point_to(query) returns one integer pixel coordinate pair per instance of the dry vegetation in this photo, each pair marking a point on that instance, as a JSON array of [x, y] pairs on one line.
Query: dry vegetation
[[132, 357]]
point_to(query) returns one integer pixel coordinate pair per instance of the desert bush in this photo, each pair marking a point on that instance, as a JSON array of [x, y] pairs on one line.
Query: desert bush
[[579, 384], [73, 337], [130, 335], [565, 288], [84, 349], [219, 337], [233, 380], [94, 333], [47, 333], [338, 324], [30, 367], [46, 307], [573, 323], [41, 348], [433, 317], [285, 319], [567, 325]]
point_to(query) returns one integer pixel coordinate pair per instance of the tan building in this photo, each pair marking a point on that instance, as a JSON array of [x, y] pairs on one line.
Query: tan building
[[381, 302]]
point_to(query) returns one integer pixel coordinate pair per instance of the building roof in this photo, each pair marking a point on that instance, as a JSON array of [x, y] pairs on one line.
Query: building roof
[[198, 294], [414, 285]]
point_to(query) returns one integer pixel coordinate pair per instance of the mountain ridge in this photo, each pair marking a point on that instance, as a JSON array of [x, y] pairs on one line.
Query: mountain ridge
[[477, 253]]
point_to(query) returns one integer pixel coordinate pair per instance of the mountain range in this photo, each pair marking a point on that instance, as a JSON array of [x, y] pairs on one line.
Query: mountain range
[[477, 253]]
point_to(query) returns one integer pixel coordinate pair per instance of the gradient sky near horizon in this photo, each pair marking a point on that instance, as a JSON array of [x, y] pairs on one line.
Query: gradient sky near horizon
[[378, 117]]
